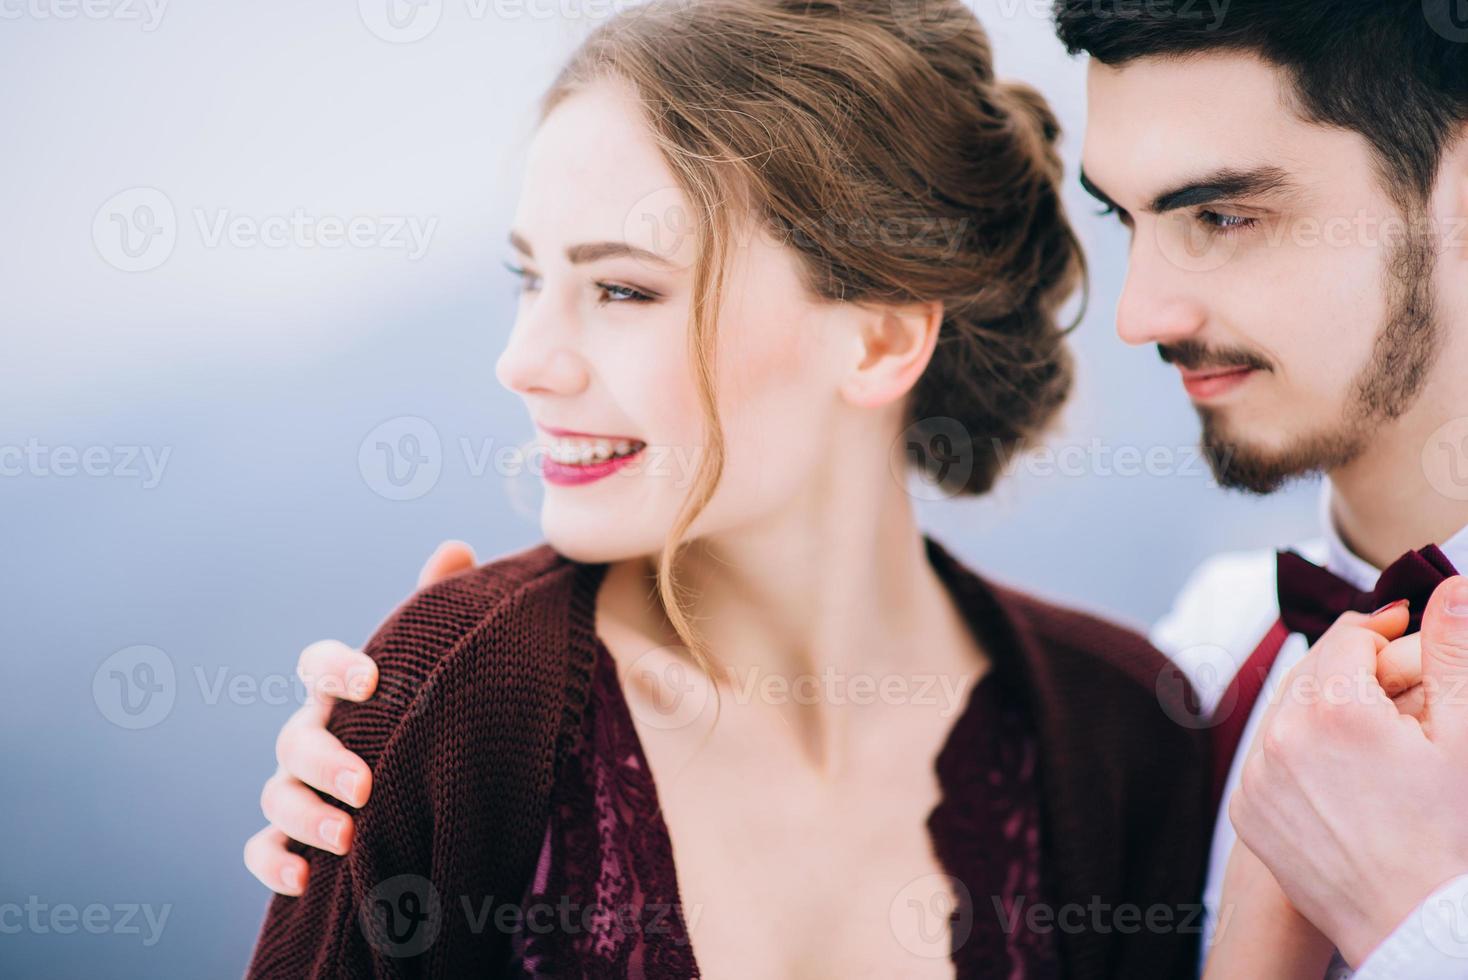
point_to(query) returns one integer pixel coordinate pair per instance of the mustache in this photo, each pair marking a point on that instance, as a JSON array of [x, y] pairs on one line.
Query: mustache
[[1198, 356]]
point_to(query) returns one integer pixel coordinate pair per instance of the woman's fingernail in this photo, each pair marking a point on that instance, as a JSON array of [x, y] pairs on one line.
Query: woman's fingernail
[[1390, 605], [346, 787], [331, 832], [291, 877]]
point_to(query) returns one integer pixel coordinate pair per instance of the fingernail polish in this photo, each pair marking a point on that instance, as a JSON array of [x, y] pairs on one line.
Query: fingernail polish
[[1390, 605]]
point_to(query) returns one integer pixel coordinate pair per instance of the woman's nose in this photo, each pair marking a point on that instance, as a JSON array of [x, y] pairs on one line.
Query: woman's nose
[[540, 360]]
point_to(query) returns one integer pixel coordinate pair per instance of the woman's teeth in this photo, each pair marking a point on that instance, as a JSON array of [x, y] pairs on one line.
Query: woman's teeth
[[569, 452]]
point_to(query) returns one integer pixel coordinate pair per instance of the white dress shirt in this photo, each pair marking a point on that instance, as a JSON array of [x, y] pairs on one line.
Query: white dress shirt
[[1218, 619]]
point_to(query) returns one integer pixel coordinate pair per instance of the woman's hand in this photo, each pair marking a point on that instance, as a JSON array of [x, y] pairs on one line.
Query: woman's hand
[[310, 757], [1260, 935]]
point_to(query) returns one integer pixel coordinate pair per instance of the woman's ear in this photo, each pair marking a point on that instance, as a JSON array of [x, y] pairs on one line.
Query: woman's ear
[[894, 345]]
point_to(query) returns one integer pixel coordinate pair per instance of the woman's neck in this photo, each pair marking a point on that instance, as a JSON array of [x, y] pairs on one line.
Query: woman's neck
[[833, 595]]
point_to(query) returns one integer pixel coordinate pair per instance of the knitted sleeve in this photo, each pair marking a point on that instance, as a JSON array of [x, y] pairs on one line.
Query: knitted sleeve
[[480, 677]]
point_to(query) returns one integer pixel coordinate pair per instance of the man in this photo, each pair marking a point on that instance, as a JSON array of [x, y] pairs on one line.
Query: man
[[1295, 179]]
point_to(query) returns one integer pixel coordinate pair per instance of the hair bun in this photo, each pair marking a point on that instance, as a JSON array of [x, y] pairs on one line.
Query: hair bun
[[1025, 100]]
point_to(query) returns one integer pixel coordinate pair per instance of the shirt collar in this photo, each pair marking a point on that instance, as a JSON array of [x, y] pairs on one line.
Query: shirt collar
[[1341, 560]]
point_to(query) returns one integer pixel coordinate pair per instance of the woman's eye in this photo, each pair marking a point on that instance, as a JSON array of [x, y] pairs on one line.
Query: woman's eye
[[610, 292], [1224, 222], [529, 282]]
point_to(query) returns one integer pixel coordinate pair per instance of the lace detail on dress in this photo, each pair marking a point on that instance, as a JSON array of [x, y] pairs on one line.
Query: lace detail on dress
[[986, 834], [604, 899]]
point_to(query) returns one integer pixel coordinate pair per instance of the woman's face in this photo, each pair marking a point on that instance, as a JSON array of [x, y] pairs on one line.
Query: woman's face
[[600, 350]]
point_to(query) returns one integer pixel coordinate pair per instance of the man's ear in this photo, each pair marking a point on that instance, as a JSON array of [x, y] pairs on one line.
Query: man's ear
[[893, 347]]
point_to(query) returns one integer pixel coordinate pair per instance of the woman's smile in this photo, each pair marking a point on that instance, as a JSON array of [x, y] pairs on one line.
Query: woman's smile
[[575, 458]]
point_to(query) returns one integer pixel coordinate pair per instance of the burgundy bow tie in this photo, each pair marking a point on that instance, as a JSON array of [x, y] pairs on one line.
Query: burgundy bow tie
[[1312, 598]]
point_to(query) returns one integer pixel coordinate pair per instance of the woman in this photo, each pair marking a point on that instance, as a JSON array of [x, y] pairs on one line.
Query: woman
[[787, 242]]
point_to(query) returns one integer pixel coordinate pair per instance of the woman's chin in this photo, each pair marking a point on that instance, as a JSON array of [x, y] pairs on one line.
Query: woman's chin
[[592, 539]]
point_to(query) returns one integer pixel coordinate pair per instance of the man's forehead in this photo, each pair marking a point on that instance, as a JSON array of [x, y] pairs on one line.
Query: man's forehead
[[1156, 123]]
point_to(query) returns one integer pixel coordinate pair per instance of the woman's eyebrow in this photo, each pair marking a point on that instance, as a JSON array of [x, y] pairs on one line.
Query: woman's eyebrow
[[591, 251]]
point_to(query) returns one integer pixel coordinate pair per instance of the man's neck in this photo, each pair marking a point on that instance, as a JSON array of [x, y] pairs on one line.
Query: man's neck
[[1404, 492]]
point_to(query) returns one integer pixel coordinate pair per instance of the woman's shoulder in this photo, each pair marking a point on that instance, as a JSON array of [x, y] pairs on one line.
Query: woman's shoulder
[[1081, 668], [1060, 636], [516, 633], [1084, 640]]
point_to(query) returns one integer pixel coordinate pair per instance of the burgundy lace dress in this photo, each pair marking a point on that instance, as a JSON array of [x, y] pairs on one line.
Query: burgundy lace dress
[[604, 900]]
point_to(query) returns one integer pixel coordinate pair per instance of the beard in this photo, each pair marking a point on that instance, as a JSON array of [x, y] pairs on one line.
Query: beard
[[1390, 382]]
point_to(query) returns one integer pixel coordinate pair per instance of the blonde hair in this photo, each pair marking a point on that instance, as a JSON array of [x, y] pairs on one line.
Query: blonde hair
[[836, 121]]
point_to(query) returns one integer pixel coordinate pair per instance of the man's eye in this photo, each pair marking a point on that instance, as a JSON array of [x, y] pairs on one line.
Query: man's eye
[[1225, 222], [529, 281]]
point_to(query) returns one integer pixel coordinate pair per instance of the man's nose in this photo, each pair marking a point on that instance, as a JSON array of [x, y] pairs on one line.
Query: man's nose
[[1160, 301]]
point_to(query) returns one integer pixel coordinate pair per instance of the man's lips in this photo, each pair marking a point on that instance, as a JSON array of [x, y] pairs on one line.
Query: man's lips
[[1203, 385]]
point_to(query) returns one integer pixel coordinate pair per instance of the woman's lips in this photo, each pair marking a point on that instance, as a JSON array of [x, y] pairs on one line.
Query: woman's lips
[[575, 458], [1203, 385], [575, 474]]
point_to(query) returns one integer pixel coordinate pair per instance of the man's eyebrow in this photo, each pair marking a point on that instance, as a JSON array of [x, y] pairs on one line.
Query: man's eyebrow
[[591, 251], [1221, 185]]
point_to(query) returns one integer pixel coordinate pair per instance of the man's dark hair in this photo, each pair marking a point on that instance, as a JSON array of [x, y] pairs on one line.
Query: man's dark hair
[[1395, 71]]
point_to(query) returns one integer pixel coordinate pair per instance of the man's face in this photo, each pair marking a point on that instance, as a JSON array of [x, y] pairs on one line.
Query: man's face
[[1268, 262]]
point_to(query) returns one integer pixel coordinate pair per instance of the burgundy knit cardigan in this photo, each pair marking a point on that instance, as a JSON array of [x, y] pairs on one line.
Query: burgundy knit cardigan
[[482, 679]]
